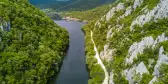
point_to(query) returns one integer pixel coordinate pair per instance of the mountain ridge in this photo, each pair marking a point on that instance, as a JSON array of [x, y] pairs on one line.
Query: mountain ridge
[[72, 5]]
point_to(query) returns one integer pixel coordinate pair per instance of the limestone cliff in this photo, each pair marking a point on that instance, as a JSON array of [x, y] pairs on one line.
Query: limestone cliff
[[132, 40]]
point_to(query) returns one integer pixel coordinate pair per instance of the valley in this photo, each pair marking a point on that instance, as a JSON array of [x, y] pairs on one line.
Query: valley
[[84, 42], [73, 69]]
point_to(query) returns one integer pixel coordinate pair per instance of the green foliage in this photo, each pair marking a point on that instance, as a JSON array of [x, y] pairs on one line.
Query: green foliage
[[151, 3], [95, 71], [163, 74], [77, 5], [32, 50], [148, 53], [91, 14], [119, 79], [165, 46], [146, 78]]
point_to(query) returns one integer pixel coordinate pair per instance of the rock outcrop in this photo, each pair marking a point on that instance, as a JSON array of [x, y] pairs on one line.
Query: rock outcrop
[[110, 14], [158, 12], [126, 34], [138, 48]]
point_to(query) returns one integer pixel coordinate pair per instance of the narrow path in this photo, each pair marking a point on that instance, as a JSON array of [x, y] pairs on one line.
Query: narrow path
[[100, 61]]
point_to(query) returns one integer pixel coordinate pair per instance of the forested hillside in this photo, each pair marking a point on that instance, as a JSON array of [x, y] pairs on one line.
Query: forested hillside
[[132, 41], [31, 45], [87, 15], [71, 5], [79, 5]]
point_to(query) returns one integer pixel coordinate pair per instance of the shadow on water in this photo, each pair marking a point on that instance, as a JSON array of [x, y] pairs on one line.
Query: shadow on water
[[73, 69]]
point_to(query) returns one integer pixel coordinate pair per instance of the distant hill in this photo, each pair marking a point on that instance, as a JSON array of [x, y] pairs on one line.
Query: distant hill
[[87, 15], [64, 5], [36, 2]]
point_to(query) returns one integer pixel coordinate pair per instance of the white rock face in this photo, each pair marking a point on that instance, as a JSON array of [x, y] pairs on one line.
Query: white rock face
[[137, 3], [153, 80], [159, 12], [127, 12], [129, 73], [138, 48], [5, 26], [110, 14], [111, 78], [107, 53], [162, 59], [140, 69]]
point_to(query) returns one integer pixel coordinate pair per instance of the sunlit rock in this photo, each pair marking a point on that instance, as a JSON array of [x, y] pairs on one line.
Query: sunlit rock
[[127, 12], [162, 59], [107, 53], [130, 73], [158, 12], [111, 78], [138, 48], [141, 68], [137, 3], [110, 14], [153, 80]]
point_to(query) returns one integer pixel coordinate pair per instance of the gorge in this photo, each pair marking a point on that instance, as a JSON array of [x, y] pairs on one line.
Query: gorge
[[123, 42], [73, 69]]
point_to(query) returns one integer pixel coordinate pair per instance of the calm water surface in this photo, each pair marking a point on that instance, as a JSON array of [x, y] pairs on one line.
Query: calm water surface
[[73, 69]]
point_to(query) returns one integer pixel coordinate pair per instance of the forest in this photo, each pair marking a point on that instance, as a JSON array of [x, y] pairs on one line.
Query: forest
[[70, 5], [32, 46]]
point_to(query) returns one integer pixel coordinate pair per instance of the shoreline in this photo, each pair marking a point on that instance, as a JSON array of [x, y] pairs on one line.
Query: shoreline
[[73, 19]]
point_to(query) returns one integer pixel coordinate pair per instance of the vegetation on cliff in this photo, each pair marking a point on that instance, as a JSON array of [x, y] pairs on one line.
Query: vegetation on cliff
[[135, 32]]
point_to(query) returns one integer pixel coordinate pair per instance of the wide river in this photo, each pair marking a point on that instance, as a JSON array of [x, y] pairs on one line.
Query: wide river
[[73, 69]]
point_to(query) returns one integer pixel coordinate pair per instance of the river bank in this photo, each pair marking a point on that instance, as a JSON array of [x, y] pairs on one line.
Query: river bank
[[74, 19]]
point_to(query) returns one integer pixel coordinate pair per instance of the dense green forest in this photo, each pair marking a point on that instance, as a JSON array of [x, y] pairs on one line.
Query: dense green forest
[[31, 45], [71, 5]]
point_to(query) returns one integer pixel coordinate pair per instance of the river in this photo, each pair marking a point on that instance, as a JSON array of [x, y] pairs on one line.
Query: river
[[73, 69]]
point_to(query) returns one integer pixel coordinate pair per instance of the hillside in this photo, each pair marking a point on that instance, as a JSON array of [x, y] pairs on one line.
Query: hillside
[[87, 15], [132, 41], [84, 4], [71, 5], [31, 45]]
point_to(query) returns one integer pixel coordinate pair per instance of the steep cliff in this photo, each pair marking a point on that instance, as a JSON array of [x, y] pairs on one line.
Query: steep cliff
[[132, 42]]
